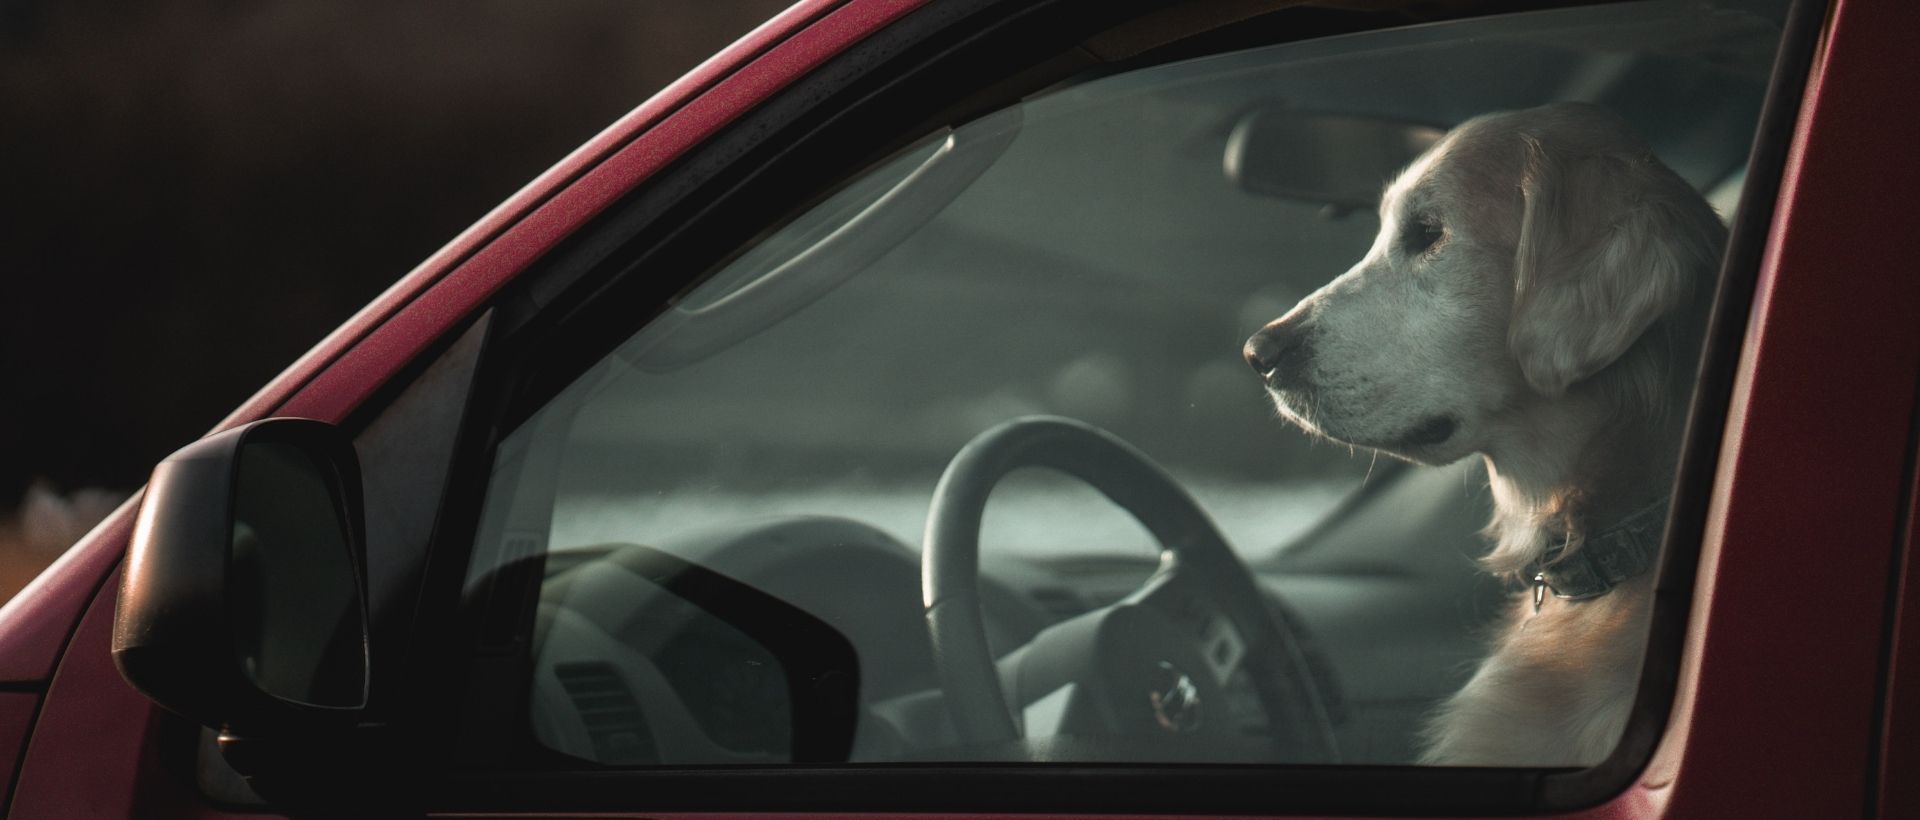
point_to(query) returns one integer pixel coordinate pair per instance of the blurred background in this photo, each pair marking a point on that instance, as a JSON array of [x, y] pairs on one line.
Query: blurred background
[[196, 192]]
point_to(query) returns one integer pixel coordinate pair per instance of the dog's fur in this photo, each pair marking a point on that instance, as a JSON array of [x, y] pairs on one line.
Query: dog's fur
[[1536, 295]]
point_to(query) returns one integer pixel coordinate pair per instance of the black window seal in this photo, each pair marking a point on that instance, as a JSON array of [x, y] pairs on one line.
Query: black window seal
[[548, 318]]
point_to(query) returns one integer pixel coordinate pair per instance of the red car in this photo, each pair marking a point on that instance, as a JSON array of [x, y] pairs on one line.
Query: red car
[[665, 488]]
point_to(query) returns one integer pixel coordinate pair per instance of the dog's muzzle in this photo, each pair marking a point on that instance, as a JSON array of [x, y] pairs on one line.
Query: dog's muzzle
[[1280, 352]]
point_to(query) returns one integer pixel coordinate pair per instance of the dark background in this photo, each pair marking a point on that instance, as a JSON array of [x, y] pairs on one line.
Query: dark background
[[196, 192]]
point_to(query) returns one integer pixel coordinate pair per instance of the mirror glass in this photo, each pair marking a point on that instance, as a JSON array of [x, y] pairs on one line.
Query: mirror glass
[[1342, 160], [299, 625]]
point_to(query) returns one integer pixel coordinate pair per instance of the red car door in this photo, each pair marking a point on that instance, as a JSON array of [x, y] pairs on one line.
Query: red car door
[[1781, 646]]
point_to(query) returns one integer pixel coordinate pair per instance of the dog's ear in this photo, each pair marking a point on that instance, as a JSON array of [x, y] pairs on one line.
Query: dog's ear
[[1607, 246]]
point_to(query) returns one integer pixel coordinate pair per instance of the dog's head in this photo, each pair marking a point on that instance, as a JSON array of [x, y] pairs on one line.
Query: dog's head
[[1519, 260]]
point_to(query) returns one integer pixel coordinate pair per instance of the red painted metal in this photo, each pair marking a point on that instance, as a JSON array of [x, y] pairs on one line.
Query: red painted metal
[[85, 757], [1899, 792], [90, 754], [34, 625], [16, 720], [1776, 716]]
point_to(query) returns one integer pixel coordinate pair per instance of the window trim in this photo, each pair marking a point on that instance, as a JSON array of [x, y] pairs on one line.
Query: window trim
[[559, 313]]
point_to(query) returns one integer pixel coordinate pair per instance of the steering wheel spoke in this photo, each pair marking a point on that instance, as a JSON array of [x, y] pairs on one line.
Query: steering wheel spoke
[[1186, 599], [1159, 662], [1056, 658]]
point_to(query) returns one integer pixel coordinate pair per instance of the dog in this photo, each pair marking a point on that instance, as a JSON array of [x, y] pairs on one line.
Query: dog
[[1537, 295]]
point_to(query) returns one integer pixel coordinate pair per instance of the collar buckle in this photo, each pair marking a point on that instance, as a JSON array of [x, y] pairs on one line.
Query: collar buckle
[[1604, 561]]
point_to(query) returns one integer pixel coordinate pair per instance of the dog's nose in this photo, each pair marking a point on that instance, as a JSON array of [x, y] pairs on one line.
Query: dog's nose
[[1279, 352]]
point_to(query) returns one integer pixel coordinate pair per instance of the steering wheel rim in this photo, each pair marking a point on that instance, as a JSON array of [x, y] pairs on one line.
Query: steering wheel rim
[[950, 571]]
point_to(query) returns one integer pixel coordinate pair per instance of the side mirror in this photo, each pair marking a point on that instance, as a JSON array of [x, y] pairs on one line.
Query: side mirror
[[243, 602]]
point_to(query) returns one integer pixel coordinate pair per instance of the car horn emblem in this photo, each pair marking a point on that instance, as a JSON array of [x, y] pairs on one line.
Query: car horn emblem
[[1176, 701]]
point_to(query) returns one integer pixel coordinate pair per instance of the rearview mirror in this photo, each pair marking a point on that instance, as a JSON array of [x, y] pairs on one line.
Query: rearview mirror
[[1341, 160], [243, 604]]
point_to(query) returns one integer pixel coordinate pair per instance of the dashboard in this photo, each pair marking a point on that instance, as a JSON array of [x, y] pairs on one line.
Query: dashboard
[[1383, 592], [619, 654]]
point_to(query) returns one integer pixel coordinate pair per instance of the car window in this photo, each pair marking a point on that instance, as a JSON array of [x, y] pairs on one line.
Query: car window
[[1237, 409]]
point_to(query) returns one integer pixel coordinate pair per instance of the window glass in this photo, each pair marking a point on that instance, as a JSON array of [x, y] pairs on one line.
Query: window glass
[[1180, 557]]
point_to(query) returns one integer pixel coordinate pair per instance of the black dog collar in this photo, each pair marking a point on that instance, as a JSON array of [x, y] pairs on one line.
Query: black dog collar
[[1603, 561]]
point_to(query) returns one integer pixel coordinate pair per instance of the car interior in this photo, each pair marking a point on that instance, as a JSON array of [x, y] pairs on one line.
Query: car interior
[[963, 464]]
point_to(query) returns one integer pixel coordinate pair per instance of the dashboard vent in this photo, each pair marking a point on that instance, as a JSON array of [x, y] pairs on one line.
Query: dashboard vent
[[619, 730]]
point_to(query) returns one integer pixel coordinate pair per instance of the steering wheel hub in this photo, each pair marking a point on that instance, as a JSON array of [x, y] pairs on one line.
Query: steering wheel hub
[[1176, 700]]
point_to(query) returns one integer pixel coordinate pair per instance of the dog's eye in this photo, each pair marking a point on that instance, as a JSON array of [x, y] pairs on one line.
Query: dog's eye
[[1422, 236]]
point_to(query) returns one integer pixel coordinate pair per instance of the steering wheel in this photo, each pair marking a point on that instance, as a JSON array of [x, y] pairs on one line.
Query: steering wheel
[[1154, 665]]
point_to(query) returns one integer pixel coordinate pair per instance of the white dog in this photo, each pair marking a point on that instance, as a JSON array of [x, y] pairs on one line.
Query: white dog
[[1536, 295]]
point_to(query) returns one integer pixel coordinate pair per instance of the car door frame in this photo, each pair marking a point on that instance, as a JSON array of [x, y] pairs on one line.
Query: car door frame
[[1136, 788]]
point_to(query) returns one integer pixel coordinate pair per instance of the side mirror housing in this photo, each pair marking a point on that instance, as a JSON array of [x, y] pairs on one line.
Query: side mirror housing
[[243, 601]]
